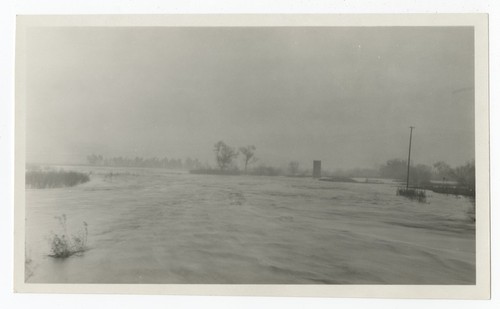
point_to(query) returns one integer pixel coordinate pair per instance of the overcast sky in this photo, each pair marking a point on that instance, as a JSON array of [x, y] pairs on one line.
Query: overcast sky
[[345, 96]]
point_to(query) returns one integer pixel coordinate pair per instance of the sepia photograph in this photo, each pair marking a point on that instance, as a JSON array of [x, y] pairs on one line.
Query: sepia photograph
[[283, 152]]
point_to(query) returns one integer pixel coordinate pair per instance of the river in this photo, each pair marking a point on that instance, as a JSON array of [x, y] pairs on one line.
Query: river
[[159, 226]]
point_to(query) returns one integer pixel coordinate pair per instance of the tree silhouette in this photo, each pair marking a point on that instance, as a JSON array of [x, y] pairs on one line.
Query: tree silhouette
[[248, 155], [224, 154]]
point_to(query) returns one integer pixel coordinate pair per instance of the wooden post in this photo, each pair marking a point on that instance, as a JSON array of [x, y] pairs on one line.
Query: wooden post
[[316, 169], [409, 156]]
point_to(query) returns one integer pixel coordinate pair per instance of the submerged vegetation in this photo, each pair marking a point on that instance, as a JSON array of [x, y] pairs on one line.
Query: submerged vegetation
[[338, 179], [178, 164], [41, 179], [451, 190], [64, 245], [261, 170], [213, 171], [413, 194]]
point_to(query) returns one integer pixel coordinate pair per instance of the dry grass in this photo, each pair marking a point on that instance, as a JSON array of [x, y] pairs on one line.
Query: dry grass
[[63, 245], [38, 179], [413, 194]]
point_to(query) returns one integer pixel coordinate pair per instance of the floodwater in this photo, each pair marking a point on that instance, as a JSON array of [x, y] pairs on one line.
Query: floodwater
[[157, 226]]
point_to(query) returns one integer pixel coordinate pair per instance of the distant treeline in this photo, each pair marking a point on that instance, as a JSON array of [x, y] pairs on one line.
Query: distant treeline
[[187, 164], [421, 174]]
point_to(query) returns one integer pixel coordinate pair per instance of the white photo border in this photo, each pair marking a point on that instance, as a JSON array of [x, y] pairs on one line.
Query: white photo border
[[481, 290]]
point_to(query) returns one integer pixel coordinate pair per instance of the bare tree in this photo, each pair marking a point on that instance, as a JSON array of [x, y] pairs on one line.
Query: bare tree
[[224, 154], [293, 168], [248, 155], [443, 169]]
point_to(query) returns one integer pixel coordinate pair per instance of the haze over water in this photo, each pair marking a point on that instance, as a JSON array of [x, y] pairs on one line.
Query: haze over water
[[345, 96]]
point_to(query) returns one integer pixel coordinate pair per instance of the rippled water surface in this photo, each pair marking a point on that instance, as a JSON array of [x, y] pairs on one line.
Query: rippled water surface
[[156, 226]]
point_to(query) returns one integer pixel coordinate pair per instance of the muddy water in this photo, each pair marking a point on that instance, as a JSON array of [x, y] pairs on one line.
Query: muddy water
[[154, 226]]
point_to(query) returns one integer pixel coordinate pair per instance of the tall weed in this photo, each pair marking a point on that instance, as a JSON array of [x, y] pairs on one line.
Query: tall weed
[[64, 245]]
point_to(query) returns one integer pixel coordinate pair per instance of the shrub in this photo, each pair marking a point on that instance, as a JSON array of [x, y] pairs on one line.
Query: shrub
[[37, 179], [63, 246], [413, 194]]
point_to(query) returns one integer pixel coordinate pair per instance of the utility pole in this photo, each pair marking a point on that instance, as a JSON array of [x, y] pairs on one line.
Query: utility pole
[[409, 155]]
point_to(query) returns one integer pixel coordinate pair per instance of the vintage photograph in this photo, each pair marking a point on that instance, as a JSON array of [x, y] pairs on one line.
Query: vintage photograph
[[282, 155]]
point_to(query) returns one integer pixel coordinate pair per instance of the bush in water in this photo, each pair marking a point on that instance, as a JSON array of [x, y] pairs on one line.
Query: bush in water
[[63, 246]]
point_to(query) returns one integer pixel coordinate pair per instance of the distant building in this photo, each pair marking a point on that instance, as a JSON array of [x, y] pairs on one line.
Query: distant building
[[316, 169]]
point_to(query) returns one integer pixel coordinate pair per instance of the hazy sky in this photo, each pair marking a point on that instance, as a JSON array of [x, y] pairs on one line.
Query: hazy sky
[[345, 96]]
